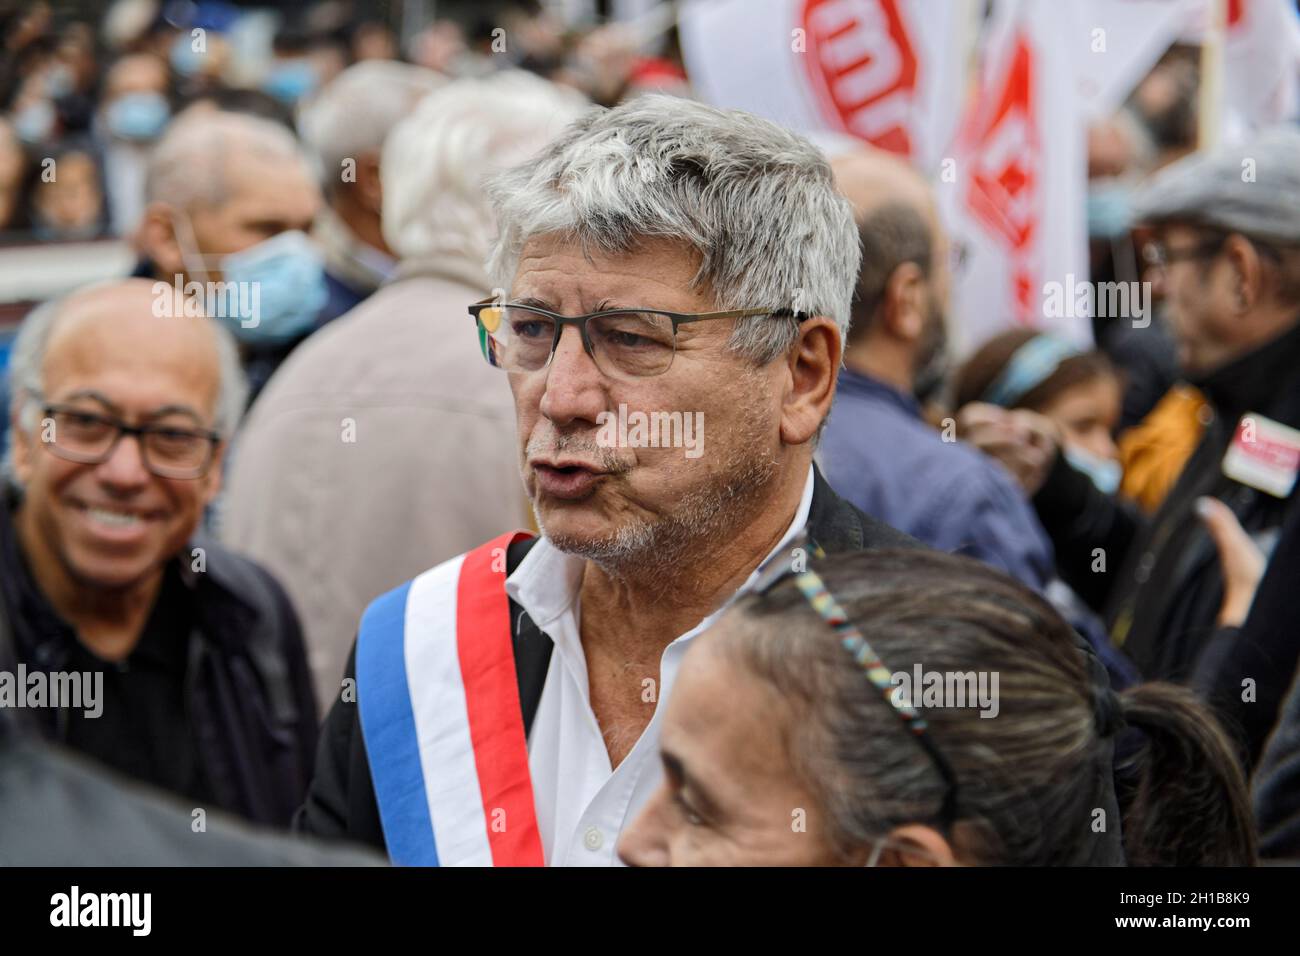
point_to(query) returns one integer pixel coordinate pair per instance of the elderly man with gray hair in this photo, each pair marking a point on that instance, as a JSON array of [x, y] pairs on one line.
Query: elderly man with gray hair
[[230, 199], [384, 445], [345, 126], [674, 286], [187, 660]]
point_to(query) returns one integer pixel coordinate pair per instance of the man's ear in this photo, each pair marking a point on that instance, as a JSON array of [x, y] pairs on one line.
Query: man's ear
[[1248, 272], [156, 240], [814, 362], [22, 442], [902, 309], [213, 478], [368, 185]]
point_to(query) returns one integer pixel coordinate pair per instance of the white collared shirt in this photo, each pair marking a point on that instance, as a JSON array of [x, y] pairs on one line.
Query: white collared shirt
[[582, 804]]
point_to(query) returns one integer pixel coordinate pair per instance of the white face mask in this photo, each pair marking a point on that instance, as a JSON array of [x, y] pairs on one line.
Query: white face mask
[[1105, 473]]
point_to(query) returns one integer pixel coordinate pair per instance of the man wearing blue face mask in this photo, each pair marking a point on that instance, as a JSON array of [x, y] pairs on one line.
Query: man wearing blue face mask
[[292, 76], [133, 113], [230, 198]]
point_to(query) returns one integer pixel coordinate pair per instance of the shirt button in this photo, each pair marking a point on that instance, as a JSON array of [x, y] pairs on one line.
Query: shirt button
[[593, 839]]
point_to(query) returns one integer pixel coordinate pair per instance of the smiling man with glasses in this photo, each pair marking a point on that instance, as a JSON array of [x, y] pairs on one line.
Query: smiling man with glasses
[[120, 417], [664, 258]]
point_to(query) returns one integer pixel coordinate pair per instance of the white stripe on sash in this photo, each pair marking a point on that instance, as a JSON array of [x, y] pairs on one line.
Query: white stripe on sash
[[441, 724]]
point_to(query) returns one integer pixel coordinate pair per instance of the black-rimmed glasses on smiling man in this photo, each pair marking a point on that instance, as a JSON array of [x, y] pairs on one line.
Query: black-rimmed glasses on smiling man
[[90, 438], [624, 343]]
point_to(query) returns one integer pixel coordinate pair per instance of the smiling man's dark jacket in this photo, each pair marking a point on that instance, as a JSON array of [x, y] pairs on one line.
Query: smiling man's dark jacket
[[235, 658], [341, 800]]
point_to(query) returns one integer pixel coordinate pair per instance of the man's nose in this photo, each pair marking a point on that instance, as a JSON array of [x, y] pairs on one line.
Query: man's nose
[[125, 468], [645, 841], [575, 387]]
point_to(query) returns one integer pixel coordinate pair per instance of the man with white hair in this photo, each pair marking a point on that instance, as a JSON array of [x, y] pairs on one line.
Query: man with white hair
[[384, 445], [229, 200], [345, 126], [188, 659], [663, 262]]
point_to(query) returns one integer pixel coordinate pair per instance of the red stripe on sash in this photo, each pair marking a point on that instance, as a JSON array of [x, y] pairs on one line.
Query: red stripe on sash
[[496, 725]]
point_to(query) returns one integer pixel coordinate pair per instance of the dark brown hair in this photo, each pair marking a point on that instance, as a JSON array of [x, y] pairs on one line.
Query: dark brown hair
[[1032, 778]]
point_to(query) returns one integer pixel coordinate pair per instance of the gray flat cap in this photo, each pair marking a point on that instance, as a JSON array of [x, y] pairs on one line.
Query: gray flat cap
[[1252, 188]]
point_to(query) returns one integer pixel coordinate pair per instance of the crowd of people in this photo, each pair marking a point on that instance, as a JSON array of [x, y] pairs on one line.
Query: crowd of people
[[263, 492]]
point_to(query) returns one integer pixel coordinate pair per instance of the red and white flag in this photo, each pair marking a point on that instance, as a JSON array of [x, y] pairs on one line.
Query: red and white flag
[[1115, 43], [1261, 65], [1013, 190], [888, 72]]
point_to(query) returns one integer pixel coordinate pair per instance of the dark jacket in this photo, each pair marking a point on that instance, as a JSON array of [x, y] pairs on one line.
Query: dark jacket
[[1265, 649], [247, 689], [1276, 786], [1162, 587], [57, 809], [341, 802]]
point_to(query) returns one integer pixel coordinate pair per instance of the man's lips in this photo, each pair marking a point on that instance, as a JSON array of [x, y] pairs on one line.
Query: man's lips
[[563, 478]]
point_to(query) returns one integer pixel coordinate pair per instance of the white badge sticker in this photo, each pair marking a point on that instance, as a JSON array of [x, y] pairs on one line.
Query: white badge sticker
[[1264, 454]]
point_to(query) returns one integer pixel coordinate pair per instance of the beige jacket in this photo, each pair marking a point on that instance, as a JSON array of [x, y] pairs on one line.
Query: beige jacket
[[382, 446]]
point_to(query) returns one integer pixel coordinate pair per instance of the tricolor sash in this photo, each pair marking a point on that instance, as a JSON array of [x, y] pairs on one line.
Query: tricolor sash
[[440, 716]]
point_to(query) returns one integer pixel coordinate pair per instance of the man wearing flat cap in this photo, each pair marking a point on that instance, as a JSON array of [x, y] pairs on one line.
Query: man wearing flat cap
[[1225, 254]]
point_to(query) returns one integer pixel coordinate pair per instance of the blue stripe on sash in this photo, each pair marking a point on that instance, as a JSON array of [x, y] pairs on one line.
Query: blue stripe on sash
[[388, 728]]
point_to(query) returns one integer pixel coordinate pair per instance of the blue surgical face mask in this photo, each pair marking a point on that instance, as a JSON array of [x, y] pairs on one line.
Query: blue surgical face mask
[[290, 80], [35, 122], [59, 82], [1110, 208], [289, 274], [185, 60], [139, 117], [273, 290], [1104, 472]]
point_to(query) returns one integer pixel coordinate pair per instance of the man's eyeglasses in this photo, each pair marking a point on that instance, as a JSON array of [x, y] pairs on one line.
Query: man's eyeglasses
[[819, 597], [1159, 254], [624, 343], [89, 438]]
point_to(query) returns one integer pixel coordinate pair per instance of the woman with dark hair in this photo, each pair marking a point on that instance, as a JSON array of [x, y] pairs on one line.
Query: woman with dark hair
[[791, 735], [1080, 391], [1081, 394]]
